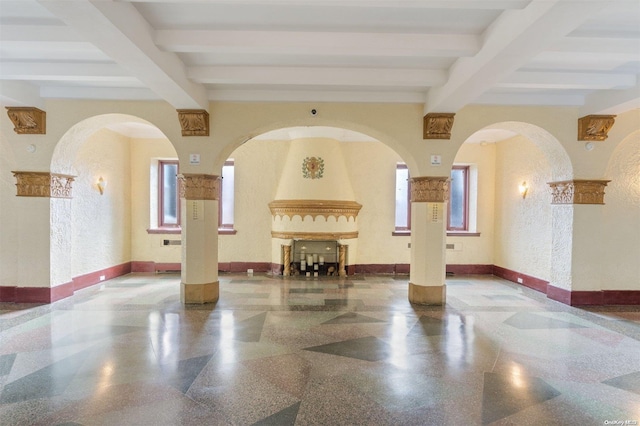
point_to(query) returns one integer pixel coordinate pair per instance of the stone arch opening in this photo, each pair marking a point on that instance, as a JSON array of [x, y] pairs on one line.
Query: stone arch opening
[[93, 234]]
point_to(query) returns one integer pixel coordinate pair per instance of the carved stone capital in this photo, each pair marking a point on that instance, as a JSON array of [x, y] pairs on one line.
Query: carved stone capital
[[43, 184], [430, 189], [199, 186], [437, 126], [314, 208], [578, 191], [28, 120], [194, 122], [595, 127]]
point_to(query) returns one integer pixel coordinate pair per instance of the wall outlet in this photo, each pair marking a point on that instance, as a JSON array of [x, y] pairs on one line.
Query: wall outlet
[[520, 280], [102, 277]]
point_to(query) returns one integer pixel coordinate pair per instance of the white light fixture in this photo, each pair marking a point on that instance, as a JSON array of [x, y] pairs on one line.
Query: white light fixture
[[101, 184]]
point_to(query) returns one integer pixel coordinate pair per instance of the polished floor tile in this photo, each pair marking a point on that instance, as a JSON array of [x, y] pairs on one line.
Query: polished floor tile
[[354, 351]]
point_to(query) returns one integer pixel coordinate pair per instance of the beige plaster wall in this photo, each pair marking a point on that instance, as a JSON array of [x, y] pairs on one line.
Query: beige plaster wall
[[523, 239], [9, 236], [471, 249], [101, 225], [621, 254], [146, 247]]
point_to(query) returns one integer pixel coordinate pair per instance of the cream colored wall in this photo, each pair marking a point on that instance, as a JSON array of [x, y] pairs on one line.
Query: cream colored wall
[[477, 250], [9, 236], [146, 247], [101, 225], [372, 171], [621, 255], [522, 240], [258, 165]]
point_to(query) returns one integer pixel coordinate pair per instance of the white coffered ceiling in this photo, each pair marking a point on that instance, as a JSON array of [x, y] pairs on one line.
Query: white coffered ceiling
[[444, 54]]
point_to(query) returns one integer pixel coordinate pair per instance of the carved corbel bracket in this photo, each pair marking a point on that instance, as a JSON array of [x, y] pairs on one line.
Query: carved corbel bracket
[[194, 122], [595, 127], [578, 191], [437, 126], [28, 120], [429, 189]]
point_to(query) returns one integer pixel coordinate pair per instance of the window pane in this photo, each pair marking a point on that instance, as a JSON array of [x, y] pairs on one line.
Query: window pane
[[169, 194], [457, 199], [227, 196], [402, 198]]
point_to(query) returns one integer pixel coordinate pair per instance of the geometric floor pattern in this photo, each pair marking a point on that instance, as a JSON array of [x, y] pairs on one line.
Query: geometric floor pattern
[[300, 351]]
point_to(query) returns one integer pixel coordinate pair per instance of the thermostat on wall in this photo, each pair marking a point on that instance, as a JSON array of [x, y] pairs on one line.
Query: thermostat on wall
[[436, 160], [194, 158]]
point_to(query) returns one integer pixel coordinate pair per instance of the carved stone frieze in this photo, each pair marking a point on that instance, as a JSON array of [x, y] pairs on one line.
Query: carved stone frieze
[[314, 208], [437, 126], [314, 236], [28, 120], [194, 122], [578, 191], [199, 186], [43, 184], [429, 189], [595, 127]]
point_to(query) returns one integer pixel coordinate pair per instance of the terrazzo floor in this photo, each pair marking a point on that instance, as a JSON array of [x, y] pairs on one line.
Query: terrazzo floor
[[279, 351]]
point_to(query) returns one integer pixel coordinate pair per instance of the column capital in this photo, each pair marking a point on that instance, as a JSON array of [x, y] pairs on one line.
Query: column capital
[[43, 184], [595, 127], [578, 191], [196, 186], [430, 189]]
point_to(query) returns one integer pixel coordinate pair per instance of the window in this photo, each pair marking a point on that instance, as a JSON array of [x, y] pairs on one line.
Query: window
[[168, 194], [226, 203], [403, 203], [461, 206], [458, 218]]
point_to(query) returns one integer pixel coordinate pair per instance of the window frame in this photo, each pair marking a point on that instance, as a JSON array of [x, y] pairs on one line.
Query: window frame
[[161, 195], [465, 202], [225, 228], [403, 230]]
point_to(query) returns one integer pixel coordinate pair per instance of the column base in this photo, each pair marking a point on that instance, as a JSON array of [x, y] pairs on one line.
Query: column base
[[199, 293], [423, 295]]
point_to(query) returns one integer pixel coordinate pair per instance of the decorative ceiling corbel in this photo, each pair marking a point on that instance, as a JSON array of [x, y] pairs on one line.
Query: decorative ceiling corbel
[[595, 127], [437, 125], [194, 122], [28, 120]]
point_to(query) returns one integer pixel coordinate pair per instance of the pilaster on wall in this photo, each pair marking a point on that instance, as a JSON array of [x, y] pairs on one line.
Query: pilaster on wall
[[429, 195], [199, 199]]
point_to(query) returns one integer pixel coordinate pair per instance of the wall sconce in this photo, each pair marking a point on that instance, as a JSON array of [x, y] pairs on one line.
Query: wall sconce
[[102, 184], [523, 188]]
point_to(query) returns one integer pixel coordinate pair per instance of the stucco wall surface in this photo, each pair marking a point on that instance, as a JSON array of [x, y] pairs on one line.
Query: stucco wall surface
[[523, 237], [101, 225]]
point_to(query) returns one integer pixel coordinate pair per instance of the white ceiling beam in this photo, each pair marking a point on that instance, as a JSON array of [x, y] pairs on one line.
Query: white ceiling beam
[[576, 61], [524, 99], [19, 93], [621, 46], [100, 93], [267, 95], [54, 71], [124, 35], [510, 42], [38, 33], [317, 76], [412, 4], [318, 43], [611, 101], [566, 80]]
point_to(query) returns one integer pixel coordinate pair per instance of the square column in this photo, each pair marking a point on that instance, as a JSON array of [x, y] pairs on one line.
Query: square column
[[199, 202], [428, 240]]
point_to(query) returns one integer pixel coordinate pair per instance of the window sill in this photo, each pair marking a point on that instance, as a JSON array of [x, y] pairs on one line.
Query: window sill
[[449, 234], [164, 231], [227, 231]]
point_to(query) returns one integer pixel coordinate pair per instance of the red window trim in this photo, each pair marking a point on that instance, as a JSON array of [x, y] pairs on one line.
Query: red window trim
[[161, 197], [465, 202]]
